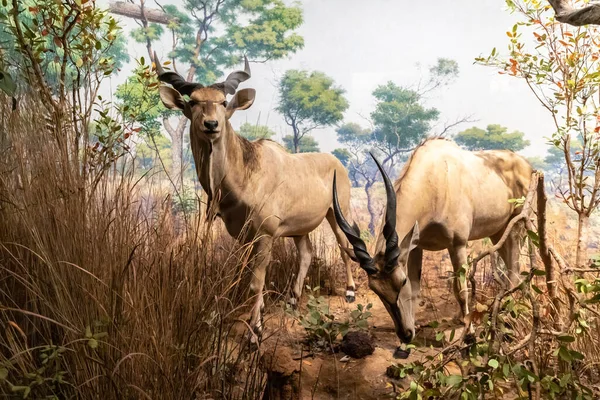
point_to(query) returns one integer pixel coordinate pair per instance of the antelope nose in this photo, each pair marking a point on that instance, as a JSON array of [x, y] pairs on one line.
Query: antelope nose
[[211, 125], [406, 335]]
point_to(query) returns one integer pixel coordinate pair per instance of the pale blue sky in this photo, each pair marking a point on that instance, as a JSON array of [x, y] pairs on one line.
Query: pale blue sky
[[363, 44]]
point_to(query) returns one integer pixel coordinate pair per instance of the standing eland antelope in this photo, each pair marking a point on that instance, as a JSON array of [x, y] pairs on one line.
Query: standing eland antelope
[[447, 197], [260, 191]]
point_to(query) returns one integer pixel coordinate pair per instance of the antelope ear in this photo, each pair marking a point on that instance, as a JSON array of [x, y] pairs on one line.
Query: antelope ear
[[171, 98], [410, 241], [242, 100]]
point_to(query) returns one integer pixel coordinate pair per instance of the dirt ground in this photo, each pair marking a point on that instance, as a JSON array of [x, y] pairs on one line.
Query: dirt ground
[[332, 376], [324, 375]]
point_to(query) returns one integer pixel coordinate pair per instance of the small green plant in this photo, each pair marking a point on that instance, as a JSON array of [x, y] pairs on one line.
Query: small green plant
[[480, 368], [185, 202], [48, 378], [319, 323]]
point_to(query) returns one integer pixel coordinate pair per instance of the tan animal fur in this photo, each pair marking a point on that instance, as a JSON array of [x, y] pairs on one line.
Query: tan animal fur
[[260, 191], [445, 196]]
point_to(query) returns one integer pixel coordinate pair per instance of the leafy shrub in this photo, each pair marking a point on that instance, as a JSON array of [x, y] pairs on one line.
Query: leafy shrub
[[319, 323]]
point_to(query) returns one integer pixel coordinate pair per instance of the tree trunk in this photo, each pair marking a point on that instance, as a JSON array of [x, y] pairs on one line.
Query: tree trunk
[[296, 138], [549, 265], [369, 193], [176, 134], [177, 153], [582, 240]]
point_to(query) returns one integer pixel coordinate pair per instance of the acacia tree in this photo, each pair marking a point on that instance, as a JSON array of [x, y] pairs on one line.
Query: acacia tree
[[398, 123], [561, 66], [494, 137], [255, 132], [209, 36], [309, 101], [306, 144]]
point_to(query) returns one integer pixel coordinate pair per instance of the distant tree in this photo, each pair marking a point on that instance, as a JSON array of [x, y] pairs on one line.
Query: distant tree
[[555, 159], [153, 151], [495, 137], [210, 36], [400, 120], [254, 132], [343, 155], [538, 163], [307, 144], [308, 101]]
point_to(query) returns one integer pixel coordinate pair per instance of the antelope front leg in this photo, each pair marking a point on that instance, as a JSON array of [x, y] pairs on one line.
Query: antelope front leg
[[458, 256], [262, 257], [305, 256]]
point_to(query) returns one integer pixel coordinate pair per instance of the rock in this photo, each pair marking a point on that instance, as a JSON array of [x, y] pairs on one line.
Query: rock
[[358, 344], [283, 374], [401, 354]]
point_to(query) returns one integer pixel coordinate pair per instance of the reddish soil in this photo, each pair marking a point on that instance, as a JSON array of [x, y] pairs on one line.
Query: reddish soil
[[324, 375]]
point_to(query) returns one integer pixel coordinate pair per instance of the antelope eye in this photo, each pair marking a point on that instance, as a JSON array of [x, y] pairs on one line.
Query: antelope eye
[[224, 104], [404, 282]]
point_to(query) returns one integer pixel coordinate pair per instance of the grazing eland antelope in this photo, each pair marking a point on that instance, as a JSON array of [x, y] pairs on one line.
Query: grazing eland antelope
[[260, 191], [447, 196]]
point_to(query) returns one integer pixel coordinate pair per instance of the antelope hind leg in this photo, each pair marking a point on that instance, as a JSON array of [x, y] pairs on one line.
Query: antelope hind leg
[[262, 251], [343, 244]]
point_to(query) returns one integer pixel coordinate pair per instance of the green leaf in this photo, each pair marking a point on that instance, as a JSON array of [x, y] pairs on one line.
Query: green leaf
[[454, 380], [7, 84], [566, 338], [565, 354], [577, 355], [493, 363], [93, 343], [439, 336], [506, 370]]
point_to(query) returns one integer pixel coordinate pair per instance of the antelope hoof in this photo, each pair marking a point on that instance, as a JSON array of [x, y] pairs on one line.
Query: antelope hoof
[[350, 295], [254, 338]]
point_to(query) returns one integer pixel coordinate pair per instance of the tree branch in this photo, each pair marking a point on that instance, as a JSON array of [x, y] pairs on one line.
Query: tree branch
[[577, 17], [135, 11]]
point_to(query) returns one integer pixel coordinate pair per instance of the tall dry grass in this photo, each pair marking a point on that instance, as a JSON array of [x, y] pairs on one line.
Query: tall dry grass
[[104, 292]]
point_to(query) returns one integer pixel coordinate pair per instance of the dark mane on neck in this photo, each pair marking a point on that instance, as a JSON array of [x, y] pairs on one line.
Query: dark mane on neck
[[249, 152]]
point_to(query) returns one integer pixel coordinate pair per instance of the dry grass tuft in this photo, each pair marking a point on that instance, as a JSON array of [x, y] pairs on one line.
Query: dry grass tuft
[[103, 290]]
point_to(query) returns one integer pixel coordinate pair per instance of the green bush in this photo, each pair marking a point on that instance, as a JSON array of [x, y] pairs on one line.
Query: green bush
[[319, 323]]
